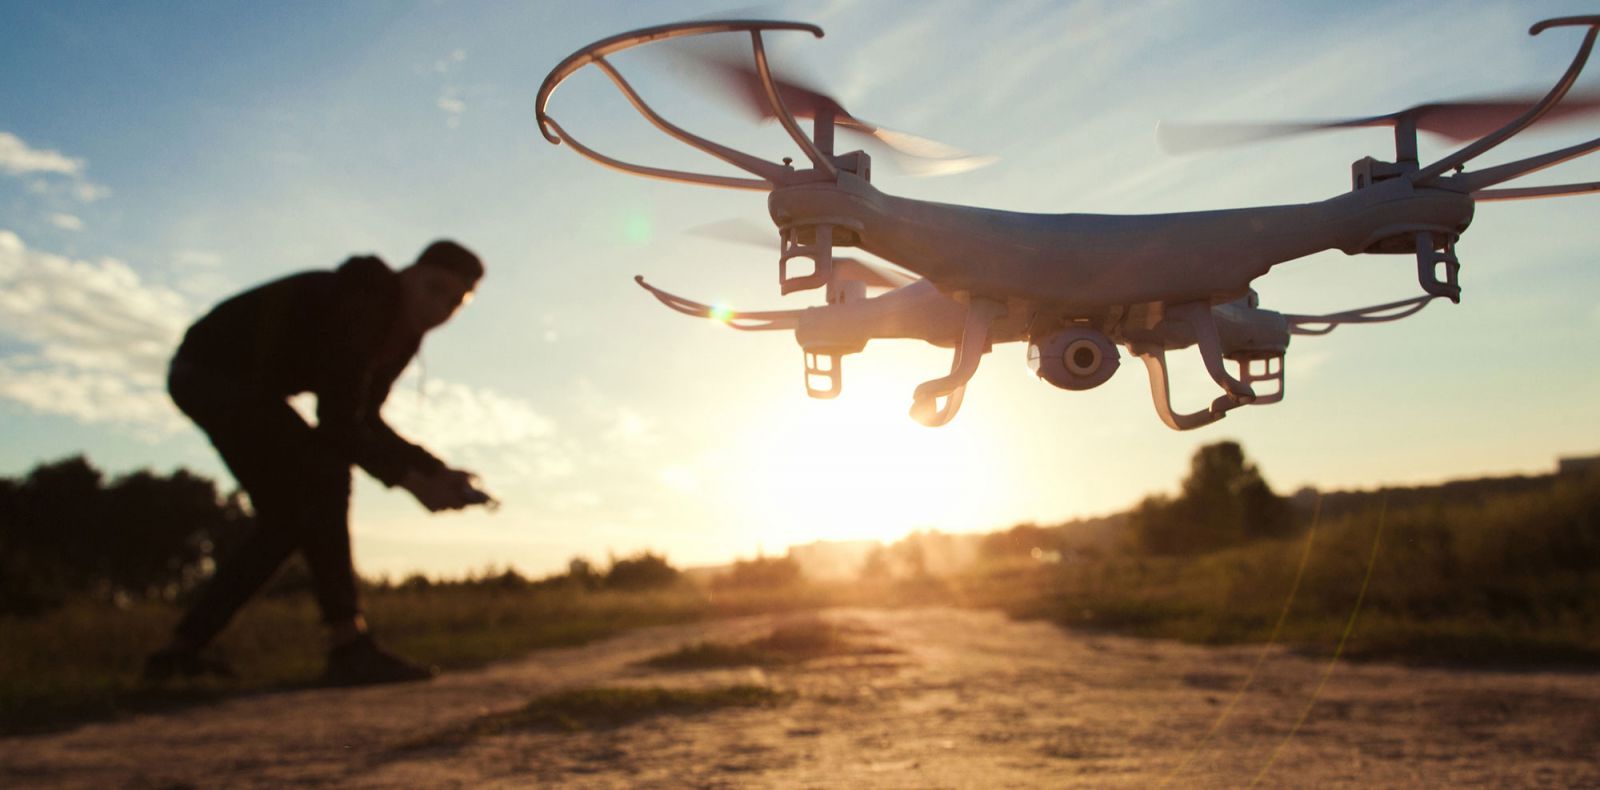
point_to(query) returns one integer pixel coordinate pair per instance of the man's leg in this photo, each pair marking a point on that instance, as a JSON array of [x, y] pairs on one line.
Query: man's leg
[[240, 574], [262, 441], [323, 535]]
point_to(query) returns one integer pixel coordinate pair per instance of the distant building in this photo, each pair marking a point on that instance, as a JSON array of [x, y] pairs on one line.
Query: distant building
[[1577, 465]]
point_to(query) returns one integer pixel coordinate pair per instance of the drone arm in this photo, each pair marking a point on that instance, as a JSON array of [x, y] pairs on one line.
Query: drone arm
[[1534, 113], [1376, 314], [657, 172], [766, 170], [747, 321]]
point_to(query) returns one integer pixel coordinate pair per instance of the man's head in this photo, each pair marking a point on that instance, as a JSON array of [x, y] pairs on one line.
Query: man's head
[[438, 283]]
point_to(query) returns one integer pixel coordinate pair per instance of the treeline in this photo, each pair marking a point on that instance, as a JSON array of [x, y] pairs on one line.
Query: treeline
[[1224, 501], [643, 571], [67, 532], [1476, 570]]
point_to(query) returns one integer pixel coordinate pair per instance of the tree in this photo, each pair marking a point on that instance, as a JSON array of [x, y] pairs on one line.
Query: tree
[[761, 573], [1223, 502], [64, 532], [157, 531], [642, 571], [876, 566]]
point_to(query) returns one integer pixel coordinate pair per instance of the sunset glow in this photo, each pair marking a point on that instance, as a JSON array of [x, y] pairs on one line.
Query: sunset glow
[[262, 144]]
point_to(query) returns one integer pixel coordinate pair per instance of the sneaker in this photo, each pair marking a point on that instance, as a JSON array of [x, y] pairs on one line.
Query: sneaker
[[363, 663], [168, 663]]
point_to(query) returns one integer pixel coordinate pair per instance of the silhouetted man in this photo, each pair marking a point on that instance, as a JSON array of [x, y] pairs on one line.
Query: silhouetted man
[[343, 335]]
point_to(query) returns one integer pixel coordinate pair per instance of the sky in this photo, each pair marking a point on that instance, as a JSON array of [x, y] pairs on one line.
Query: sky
[[157, 158]]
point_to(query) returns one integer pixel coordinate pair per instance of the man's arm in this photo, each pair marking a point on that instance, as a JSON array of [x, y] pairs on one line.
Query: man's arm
[[359, 365], [348, 415]]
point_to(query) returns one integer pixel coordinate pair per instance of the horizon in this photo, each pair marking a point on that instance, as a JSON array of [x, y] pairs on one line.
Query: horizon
[[156, 161], [492, 569]]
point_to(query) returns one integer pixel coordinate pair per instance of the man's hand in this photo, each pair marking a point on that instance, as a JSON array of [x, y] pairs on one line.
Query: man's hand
[[446, 489]]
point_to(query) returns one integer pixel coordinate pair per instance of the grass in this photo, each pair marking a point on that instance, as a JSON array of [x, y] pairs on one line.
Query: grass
[[1510, 580], [792, 643], [603, 708], [83, 661]]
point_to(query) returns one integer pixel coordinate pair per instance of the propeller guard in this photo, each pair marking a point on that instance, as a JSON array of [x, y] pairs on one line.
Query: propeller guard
[[749, 321], [1376, 314], [768, 175]]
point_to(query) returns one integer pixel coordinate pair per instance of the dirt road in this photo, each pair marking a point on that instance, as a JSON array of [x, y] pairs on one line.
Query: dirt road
[[970, 700]]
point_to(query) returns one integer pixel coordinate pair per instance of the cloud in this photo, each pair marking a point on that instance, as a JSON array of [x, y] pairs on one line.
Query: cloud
[[630, 427], [449, 416], [66, 221], [501, 437], [97, 338], [91, 396], [452, 100], [453, 105], [90, 340], [18, 158], [449, 62], [197, 259], [88, 192]]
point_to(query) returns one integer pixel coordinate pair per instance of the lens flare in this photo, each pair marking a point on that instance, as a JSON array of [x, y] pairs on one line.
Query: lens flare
[[637, 229], [721, 312]]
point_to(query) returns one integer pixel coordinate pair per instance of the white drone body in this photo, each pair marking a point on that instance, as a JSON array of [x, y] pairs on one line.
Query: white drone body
[[1074, 286]]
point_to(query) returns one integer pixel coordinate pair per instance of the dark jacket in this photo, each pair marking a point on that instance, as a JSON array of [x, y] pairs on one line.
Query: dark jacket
[[335, 334]]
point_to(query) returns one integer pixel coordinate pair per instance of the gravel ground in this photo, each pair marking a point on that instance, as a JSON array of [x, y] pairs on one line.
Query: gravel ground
[[971, 699]]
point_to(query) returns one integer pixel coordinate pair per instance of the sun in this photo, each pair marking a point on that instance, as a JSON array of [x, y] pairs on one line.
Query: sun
[[859, 468]]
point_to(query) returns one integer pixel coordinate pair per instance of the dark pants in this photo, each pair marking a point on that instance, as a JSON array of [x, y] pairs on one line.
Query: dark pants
[[300, 492]]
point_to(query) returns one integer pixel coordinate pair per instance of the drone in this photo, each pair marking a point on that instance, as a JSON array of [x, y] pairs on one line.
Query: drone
[[1074, 287]]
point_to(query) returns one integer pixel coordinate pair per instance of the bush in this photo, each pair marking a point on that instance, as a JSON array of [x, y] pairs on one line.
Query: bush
[[1224, 502], [761, 573], [642, 571]]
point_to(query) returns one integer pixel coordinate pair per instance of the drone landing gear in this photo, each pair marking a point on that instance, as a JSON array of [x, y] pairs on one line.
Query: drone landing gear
[[1155, 363], [819, 251], [823, 368], [1429, 260], [1270, 370], [1235, 392], [925, 407]]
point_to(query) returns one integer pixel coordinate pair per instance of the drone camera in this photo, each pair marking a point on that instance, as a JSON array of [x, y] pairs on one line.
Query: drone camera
[[1075, 358]]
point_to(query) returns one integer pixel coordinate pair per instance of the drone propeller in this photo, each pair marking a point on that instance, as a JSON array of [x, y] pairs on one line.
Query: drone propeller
[[1457, 121], [737, 231], [918, 155]]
